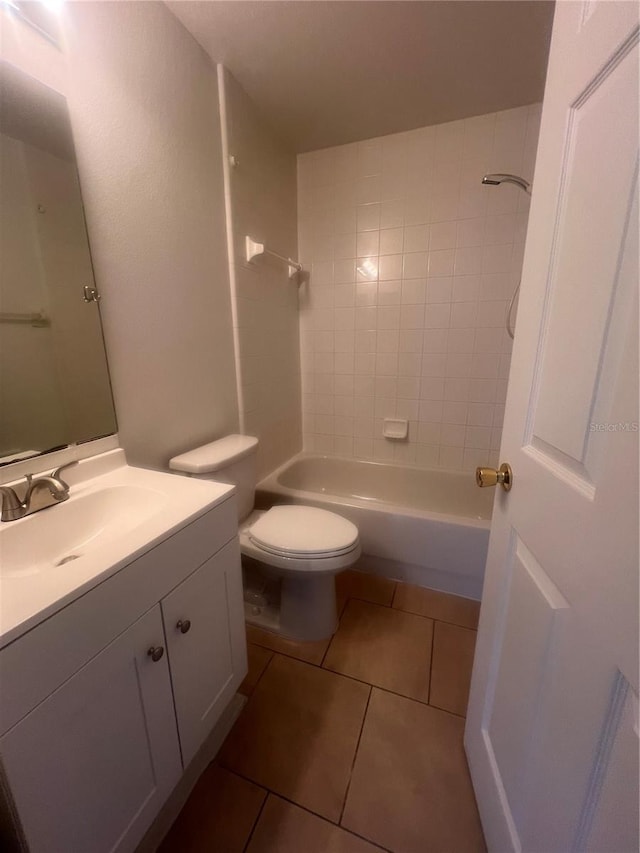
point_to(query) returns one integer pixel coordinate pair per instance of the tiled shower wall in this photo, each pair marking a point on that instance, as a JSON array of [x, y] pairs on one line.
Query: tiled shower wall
[[412, 263]]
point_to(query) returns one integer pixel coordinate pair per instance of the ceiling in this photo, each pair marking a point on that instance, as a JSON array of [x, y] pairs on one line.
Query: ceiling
[[328, 72]]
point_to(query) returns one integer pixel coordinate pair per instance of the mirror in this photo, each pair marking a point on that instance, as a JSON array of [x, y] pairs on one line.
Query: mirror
[[54, 379]]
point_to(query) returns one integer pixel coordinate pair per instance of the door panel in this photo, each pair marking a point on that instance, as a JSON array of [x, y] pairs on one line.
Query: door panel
[[90, 767], [208, 662], [535, 611], [582, 277], [551, 736]]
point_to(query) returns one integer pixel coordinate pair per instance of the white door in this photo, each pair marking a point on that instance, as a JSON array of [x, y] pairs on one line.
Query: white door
[[552, 725], [204, 626], [90, 767]]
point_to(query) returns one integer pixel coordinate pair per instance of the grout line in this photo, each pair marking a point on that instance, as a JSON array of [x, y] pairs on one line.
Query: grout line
[[453, 624], [433, 643], [270, 792], [355, 755], [395, 590], [434, 618], [261, 676], [353, 678], [326, 652], [420, 702], [257, 820], [446, 711]]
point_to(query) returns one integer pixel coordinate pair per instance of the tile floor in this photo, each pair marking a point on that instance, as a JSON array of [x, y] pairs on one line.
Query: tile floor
[[351, 745]]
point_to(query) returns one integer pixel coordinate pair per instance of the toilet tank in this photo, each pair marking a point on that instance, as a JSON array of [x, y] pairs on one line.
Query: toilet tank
[[232, 459]]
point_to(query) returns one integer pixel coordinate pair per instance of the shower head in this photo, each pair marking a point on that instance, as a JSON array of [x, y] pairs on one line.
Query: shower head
[[497, 179]]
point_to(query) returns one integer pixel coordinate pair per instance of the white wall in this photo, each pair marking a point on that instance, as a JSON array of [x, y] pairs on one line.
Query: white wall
[[263, 205], [144, 109], [412, 265]]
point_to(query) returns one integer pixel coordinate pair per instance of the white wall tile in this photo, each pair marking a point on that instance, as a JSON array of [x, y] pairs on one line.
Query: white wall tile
[[344, 384], [390, 267], [439, 289], [441, 262], [407, 409], [443, 235], [429, 433], [392, 214], [414, 291], [408, 363], [435, 340], [437, 316], [389, 292], [391, 241], [463, 315], [455, 413], [413, 262], [414, 265], [416, 210], [411, 340], [368, 243], [388, 340], [416, 238], [427, 456], [368, 217]]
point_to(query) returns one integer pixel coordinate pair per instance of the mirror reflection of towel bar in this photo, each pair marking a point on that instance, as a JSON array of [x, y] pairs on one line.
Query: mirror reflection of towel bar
[[38, 320]]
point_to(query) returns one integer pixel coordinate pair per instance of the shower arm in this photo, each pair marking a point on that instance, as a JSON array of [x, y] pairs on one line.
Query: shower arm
[[495, 180]]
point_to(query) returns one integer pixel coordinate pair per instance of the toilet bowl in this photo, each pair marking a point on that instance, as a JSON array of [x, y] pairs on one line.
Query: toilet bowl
[[301, 548]]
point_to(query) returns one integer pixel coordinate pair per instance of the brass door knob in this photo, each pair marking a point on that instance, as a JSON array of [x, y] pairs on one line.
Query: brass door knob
[[155, 653], [491, 477], [183, 625]]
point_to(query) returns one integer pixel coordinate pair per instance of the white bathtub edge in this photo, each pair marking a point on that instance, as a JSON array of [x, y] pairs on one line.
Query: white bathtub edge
[[434, 550]]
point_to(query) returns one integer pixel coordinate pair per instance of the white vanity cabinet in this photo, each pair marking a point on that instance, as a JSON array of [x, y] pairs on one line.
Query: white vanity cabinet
[[91, 752], [204, 633], [90, 767]]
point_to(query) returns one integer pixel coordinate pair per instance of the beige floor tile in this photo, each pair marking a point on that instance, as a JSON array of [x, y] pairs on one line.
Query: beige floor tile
[[218, 816], [368, 587], [385, 647], [298, 734], [285, 828], [437, 605], [410, 790], [257, 659], [311, 652], [453, 649]]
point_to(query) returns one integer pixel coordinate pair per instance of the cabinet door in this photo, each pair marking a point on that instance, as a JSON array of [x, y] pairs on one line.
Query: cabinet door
[[209, 660], [90, 767]]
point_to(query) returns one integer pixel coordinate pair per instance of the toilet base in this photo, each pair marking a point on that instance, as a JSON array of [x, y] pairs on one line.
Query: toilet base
[[304, 610]]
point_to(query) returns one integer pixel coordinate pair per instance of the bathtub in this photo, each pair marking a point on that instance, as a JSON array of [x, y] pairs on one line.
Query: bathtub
[[426, 527]]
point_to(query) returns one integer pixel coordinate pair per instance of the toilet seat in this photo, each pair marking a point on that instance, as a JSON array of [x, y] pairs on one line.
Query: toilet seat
[[303, 532], [328, 552]]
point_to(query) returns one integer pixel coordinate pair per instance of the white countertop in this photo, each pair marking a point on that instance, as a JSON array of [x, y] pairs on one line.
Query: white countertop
[[153, 506]]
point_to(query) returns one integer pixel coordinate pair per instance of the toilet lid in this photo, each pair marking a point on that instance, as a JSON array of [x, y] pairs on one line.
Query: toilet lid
[[303, 531]]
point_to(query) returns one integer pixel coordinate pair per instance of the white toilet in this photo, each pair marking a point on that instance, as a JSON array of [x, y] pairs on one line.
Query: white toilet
[[291, 553]]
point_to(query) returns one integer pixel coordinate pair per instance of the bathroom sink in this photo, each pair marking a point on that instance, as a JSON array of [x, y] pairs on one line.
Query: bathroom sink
[[114, 514], [75, 528]]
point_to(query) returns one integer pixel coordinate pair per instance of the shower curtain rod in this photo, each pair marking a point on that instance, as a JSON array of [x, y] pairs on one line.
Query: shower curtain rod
[[254, 248]]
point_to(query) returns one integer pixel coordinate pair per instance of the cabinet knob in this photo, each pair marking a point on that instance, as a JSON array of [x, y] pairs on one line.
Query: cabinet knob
[[155, 653], [184, 625]]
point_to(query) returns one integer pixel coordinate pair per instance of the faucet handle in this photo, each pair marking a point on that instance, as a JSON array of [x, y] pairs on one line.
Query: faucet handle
[[12, 506], [56, 474]]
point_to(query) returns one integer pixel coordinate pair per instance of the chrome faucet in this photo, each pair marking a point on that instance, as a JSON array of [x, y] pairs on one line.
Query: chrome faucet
[[39, 493]]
